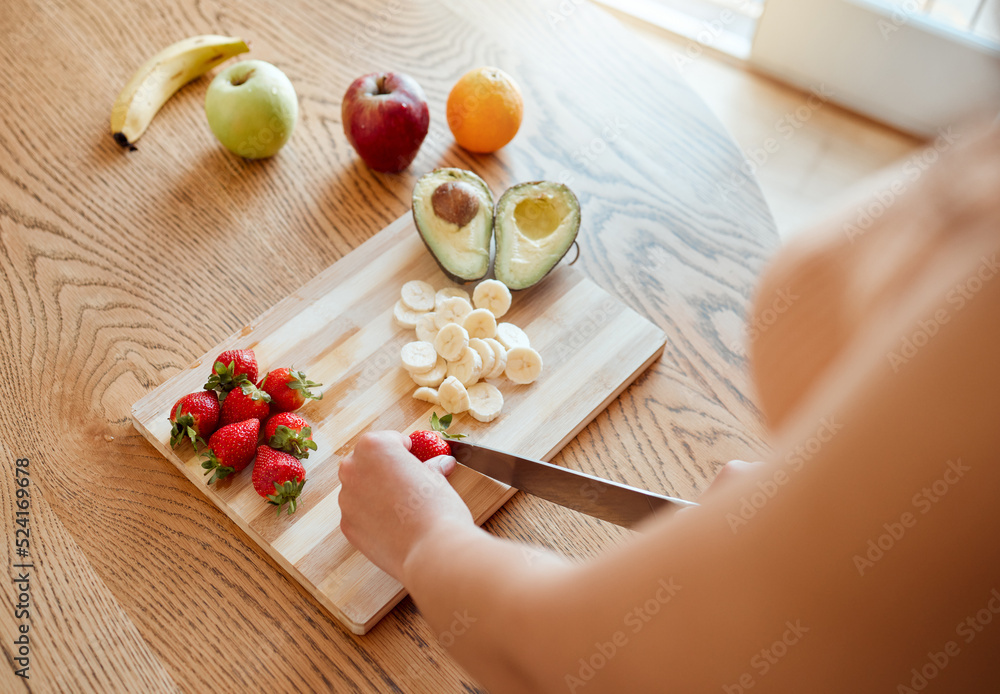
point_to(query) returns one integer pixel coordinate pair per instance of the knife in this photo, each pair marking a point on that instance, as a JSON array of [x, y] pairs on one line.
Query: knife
[[618, 503]]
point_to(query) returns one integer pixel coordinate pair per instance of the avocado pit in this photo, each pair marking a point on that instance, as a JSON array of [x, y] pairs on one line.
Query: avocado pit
[[455, 202]]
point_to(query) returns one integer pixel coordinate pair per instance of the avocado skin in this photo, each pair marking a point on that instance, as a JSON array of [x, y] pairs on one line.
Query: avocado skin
[[500, 237], [453, 174]]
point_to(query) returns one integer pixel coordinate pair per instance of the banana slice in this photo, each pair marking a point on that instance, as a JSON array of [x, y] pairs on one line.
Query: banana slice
[[452, 310], [499, 358], [449, 293], [511, 336], [485, 353], [427, 395], [523, 365], [480, 323], [432, 378], [451, 340], [453, 396], [492, 295], [418, 295], [485, 402], [405, 316], [418, 357], [427, 329], [467, 368]]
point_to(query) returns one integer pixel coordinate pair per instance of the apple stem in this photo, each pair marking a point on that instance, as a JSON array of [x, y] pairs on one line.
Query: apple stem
[[240, 79]]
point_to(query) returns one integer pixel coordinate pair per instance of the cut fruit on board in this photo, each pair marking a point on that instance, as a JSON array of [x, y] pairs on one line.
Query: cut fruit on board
[[339, 329]]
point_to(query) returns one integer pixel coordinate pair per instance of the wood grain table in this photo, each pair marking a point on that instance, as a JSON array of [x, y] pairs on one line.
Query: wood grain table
[[118, 268]]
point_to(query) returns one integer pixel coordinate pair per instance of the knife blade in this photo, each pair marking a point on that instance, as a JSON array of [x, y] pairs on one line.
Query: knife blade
[[617, 503]]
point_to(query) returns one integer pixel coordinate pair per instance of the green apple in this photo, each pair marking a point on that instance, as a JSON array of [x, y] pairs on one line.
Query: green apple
[[252, 108]]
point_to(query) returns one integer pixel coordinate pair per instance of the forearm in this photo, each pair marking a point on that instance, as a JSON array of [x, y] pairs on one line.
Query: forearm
[[474, 590]]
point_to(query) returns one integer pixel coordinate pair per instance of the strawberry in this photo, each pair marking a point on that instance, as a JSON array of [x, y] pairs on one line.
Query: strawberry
[[430, 444], [288, 432], [194, 416], [232, 368], [278, 477], [246, 402], [288, 389], [231, 448]]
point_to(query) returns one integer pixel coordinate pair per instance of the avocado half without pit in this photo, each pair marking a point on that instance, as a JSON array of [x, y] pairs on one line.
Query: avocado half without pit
[[453, 211], [535, 224]]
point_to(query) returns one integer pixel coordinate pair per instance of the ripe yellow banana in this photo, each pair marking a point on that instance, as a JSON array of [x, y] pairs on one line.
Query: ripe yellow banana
[[161, 76]]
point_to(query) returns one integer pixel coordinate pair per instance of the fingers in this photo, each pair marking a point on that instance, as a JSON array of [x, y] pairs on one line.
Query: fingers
[[445, 464]]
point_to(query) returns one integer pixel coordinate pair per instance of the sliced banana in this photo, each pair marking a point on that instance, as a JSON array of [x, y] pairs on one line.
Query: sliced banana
[[432, 378], [452, 310], [499, 359], [453, 396], [480, 323], [451, 340], [427, 395], [467, 368], [427, 329], [511, 336], [405, 316], [485, 353], [449, 293], [492, 295], [418, 295], [418, 357], [523, 365], [485, 402]]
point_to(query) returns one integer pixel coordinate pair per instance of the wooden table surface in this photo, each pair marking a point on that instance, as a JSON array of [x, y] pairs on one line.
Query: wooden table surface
[[118, 268]]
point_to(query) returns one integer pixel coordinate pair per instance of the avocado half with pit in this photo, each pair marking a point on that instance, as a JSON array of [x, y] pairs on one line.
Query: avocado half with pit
[[453, 211], [535, 224]]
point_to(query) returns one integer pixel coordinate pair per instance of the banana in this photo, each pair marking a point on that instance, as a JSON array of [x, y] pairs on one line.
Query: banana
[[511, 336], [492, 295], [427, 395], [432, 378], [451, 340], [418, 295], [418, 357], [523, 365], [453, 396], [161, 76], [480, 323], [427, 329], [449, 293], [485, 353], [485, 402], [499, 359], [452, 310], [404, 316], [467, 368]]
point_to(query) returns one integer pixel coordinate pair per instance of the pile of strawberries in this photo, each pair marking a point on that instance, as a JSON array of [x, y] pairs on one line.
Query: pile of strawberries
[[232, 411]]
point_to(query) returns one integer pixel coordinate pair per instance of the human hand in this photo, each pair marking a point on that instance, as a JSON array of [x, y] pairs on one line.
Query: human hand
[[730, 474], [389, 500]]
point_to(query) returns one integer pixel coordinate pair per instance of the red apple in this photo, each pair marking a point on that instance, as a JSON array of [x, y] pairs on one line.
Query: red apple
[[385, 119]]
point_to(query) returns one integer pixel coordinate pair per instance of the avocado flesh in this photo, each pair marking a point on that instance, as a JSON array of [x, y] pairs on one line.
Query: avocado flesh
[[536, 224], [462, 252]]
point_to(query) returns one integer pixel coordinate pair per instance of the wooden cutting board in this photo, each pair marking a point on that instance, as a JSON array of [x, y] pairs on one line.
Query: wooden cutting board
[[338, 328]]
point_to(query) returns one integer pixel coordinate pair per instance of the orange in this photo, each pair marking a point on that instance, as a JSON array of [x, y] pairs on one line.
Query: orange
[[484, 109]]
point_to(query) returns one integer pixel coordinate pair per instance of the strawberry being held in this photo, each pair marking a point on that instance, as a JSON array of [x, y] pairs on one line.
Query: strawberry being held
[[430, 444], [232, 368], [288, 432], [231, 448], [289, 389], [246, 402], [195, 416], [278, 477]]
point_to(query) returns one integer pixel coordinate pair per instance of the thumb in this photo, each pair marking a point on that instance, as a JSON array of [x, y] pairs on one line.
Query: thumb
[[444, 464]]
